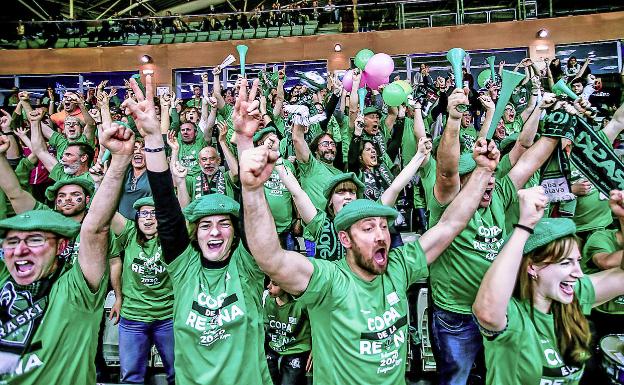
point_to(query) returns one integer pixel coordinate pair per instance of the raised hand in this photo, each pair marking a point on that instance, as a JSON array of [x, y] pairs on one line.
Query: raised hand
[[486, 102], [256, 165], [22, 133], [424, 145], [5, 121], [204, 77], [4, 144], [485, 154], [118, 139], [97, 172], [178, 171], [547, 100], [533, 201], [142, 110], [35, 116], [102, 99], [222, 127], [616, 202], [247, 116], [212, 102], [172, 141], [458, 97], [24, 96], [165, 102]]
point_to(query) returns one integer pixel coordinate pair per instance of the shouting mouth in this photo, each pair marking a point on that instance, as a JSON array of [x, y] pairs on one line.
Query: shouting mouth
[[380, 257], [567, 287], [23, 267]]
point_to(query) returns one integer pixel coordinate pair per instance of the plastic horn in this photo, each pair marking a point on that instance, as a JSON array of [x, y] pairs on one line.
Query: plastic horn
[[490, 60], [106, 156], [362, 94], [456, 56], [562, 88], [510, 80], [242, 53], [227, 61]]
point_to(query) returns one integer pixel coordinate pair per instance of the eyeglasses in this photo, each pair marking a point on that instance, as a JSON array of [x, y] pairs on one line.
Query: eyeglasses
[[147, 213], [31, 241], [327, 143]]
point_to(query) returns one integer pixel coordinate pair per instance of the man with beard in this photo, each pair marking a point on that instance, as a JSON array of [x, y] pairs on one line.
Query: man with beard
[[75, 160], [71, 107], [55, 343], [456, 275], [364, 339]]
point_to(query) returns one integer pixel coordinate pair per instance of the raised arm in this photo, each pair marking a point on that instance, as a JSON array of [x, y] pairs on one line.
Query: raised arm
[[94, 233], [230, 159], [302, 151], [290, 270], [90, 124], [304, 204], [38, 143], [490, 306], [534, 94], [20, 199], [169, 217], [211, 117], [391, 194], [5, 126], [615, 125], [279, 97], [529, 129], [462, 208], [216, 88], [447, 171], [489, 106]]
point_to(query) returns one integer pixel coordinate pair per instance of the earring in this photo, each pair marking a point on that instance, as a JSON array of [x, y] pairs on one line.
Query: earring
[[533, 276]]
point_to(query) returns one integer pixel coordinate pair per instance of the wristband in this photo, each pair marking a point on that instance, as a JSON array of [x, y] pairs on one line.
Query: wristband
[[523, 227], [151, 150]]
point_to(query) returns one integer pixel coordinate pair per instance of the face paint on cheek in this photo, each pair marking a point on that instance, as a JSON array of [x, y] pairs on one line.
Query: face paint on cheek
[[59, 202], [78, 199]]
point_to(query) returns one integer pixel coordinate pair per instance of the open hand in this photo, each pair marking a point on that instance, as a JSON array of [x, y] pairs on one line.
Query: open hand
[[247, 116], [142, 110], [5, 121]]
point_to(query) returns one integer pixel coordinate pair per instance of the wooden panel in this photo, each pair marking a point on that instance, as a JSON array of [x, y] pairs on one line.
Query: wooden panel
[[569, 29]]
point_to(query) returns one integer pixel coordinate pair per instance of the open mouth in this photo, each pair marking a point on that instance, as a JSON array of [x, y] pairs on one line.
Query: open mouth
[[567, 287], [487, 195], [380, 257], [24, 267], [215, 245]]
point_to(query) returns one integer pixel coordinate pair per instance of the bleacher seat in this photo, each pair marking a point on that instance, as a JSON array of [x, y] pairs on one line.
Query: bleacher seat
[[168, 38], [84, 42], [310, 29], [237, 34], [273, 32], [179, 37], [190, 37], [226, 34], [261, 33], [249, 33], [132, 40], [156, 39], [285, 30], [71, 43], [22, 44], [203, 36], [214, 35], [297, 30], [144, 39]]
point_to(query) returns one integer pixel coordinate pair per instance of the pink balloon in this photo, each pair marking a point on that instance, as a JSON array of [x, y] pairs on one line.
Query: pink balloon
[[347, 80], [379, 66], [374, 82]]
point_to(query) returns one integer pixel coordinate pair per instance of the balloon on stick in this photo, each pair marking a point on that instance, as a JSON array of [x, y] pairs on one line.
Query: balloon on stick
[[394, 95], [362, 58]]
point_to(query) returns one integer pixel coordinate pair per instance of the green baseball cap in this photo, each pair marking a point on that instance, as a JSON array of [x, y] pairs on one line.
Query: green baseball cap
[[145, 201], [360, 209], [85, 183], [211, 204], [336, 179], [260, 133], [41, 220], [371, 110], [548, 230]]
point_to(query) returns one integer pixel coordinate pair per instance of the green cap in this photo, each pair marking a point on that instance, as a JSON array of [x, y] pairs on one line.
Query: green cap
[[466, 164], [211, 204], [509, 140], [360, 209], [371, 110], [85, 183], [145, 201], [260, 133], [333, 182], [548, 230], [42, 220]]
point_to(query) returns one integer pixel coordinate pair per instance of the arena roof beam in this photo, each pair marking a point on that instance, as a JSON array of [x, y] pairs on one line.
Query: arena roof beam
[[32, 10], [191, 6]]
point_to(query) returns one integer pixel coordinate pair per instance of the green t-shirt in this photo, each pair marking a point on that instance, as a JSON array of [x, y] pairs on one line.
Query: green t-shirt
[[527, 352], [515, 126], [189, 153], [280, 199], [67, 335], [592, 210], [458, 271], [322, 231], [602, 241], [60, 143], [469, 135], [145, 284], [360, 328], [313, 176], [287, 327], [57, 173], [427, 174], [218, 320]]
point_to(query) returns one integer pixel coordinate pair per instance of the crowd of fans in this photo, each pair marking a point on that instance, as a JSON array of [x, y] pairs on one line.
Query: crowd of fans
[[189, 209]]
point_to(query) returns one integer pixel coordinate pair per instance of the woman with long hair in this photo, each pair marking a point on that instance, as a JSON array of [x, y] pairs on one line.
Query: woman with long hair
[[532, 301]]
